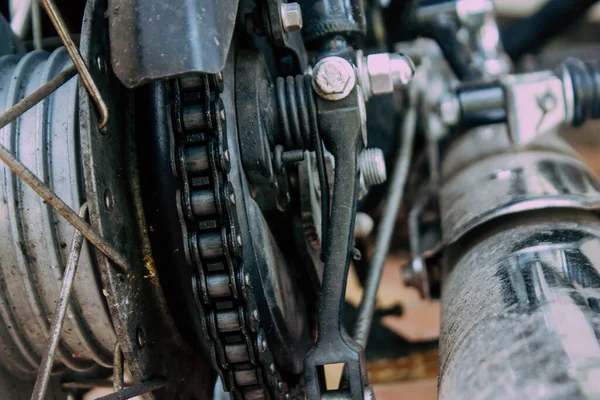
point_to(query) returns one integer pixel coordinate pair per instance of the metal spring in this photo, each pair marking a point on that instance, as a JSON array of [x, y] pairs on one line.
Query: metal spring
[[297, 113]]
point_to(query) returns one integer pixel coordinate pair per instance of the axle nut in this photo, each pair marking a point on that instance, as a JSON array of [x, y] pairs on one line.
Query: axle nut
[[333, 78]]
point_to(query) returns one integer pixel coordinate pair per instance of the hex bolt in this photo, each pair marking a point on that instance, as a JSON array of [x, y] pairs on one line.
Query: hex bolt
[[372, 166], [333, 78], [385, 72], [291, 17]]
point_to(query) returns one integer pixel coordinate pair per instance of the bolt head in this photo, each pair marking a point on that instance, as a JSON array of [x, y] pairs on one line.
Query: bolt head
[[333, 78], [291, 17]]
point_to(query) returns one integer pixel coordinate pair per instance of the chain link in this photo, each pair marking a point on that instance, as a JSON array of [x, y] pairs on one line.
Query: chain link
[[239, 348]]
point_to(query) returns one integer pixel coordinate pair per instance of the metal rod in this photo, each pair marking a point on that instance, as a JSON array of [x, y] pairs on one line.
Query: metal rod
[[36, 24], [386, 228], [136, 390], [43, 376], [87, 384], [86, 77], [62, 208], [419, 269], [40, 94], [118, 368]]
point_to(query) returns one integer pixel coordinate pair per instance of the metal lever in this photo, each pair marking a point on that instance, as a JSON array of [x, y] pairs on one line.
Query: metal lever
[[341, 127]]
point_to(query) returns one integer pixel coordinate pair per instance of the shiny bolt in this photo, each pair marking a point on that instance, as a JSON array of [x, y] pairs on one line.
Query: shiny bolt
[[372, 166], [450, 109], [232, 198], [387, 72], [291, 16], [333, 78]]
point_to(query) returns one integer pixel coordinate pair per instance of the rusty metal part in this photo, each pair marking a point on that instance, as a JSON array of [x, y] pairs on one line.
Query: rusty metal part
[[118, 368], [136, 390], [84, 73]]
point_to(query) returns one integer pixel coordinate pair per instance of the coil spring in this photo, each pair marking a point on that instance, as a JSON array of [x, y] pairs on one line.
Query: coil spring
[[297, 113]]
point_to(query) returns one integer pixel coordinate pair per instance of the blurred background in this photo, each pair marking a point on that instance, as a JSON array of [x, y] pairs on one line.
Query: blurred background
[[402, 349]]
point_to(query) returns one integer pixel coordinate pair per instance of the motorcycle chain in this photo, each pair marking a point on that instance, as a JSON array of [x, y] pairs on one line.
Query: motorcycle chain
[[230, 320]]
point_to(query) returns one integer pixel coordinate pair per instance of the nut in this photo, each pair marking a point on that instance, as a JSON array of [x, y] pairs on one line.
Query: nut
[[333, 78], [291, 17], [388, 72]]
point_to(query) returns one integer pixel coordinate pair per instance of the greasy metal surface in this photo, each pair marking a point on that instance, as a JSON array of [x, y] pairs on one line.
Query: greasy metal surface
[[520, 310], [487, 181], [34, 239], [152, 39], [151, 344], [341, 129]]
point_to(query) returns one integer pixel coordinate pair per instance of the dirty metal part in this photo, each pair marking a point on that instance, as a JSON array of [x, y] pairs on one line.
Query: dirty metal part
[[150, 343], [118, 369], [43, 376], [281, 23], [256, 120], [549, 175], [233, 310], [340, 127], [154, 39], [47, 132], [520, 309], [309, 186], [136, 390], [386, 227], [324, 19], [333, 78], [291, 16], [82, 69], [372, 166]]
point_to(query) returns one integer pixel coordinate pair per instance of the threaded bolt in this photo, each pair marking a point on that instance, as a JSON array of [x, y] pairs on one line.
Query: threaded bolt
[[372, 166]]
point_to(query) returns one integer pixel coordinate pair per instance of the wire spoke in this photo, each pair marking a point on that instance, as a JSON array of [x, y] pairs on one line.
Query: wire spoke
[[40, 94], [41, 383], [84, 73], [62, 208]]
